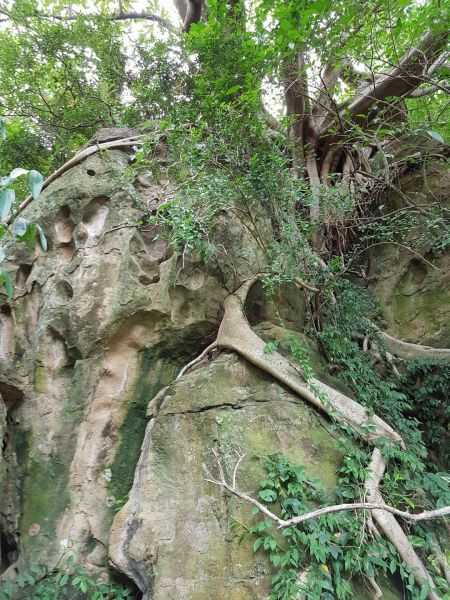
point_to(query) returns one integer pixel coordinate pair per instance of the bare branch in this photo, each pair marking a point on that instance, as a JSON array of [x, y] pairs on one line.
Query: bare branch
[[121, 16], [437, 87], [233, 489]]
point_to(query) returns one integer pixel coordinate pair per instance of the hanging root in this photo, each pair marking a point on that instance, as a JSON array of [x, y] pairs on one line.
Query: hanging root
[[235, 334], [197, 360]]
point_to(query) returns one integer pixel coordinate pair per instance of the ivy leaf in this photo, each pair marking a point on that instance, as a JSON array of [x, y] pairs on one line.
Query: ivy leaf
[[257, 543], [35, 182], [268, 495], [6, 199]]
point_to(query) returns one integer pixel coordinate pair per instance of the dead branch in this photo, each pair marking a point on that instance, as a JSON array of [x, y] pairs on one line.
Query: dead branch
[[372, 506]]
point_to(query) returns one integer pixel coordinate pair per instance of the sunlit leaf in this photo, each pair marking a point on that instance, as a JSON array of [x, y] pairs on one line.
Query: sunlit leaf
[[35, 182], [6, 200]]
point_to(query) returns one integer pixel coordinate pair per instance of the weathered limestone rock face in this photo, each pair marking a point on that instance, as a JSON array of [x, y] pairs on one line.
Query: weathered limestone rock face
[[99, 324], [414, 296]]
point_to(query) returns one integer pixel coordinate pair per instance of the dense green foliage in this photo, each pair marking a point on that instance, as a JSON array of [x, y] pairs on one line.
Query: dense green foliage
[[334, 549], [322, 556]]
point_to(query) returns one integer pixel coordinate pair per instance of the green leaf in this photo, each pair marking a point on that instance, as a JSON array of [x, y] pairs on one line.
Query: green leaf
[[42, 238], [15, 173], [35, 182], [233, 89], [6, 199], [257, 543], [268, 495]]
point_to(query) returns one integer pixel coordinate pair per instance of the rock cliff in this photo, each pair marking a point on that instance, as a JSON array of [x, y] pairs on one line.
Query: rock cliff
[[92, 419]]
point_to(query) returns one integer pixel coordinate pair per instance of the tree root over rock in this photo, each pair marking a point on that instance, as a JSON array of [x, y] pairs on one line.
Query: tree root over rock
[[235, 334], [409, 351]]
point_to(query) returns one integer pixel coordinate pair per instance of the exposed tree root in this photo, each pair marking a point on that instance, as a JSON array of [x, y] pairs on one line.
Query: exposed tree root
[[235, 334], [121, 143], [412, 351]]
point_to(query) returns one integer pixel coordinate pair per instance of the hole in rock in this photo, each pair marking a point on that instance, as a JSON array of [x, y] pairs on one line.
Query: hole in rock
[[8, 551], [90, 172], [63, 225], [94, 215], [23, 272], [11, 395], [5, 309]]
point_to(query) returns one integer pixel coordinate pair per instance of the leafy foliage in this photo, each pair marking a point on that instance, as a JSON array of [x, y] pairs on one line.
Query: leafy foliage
[[20, 229], [320, 557], [65, 582]]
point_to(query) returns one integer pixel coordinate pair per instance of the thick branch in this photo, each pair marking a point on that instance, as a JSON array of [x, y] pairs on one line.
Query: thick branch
[[190, 12], [403, 78]]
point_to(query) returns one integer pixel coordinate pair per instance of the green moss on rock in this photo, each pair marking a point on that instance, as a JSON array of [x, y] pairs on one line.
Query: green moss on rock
[[154, 374]]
